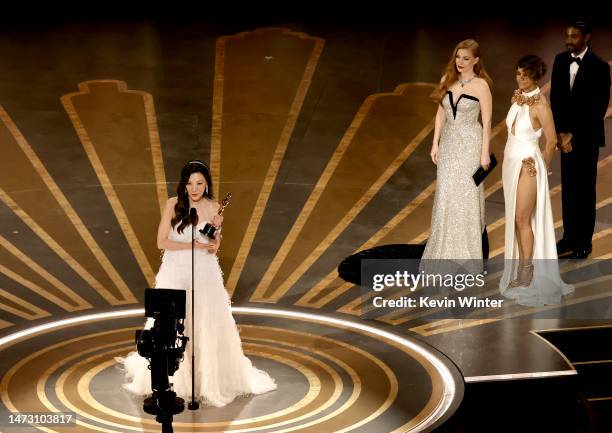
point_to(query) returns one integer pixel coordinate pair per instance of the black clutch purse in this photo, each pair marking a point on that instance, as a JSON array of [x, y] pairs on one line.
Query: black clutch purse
[[481, 173]]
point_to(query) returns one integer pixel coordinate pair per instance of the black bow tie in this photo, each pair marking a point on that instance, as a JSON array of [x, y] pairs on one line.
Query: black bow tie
[[578, 60]]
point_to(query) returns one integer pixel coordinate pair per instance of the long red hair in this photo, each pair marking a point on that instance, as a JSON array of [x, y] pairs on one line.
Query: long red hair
[[450, 72]]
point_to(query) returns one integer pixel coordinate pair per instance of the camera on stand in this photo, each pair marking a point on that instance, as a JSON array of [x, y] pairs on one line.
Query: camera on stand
[[164, 346]]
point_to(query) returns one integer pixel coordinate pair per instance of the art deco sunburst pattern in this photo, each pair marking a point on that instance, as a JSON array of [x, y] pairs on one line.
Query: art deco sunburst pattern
[[375, 188]]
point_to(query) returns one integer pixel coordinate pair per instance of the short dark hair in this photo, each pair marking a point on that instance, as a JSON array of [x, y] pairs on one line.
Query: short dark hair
[[581, 25], [533, 66]]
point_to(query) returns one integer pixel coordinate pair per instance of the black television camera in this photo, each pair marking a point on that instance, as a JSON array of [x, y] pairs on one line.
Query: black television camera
[[164, 346]]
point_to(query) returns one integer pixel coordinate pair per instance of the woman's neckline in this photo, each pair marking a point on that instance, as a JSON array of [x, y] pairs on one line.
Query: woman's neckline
[[202, 200], [533, 92]]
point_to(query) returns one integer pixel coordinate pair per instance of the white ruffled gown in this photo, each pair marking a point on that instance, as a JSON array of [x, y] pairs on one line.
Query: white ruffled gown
[[223, 372], [546, 287]]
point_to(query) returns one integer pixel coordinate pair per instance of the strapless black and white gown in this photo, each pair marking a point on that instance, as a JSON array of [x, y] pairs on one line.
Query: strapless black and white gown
[[458, 214]]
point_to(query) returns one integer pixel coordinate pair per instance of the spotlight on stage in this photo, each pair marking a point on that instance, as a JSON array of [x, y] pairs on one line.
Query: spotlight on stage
[[163, 345]]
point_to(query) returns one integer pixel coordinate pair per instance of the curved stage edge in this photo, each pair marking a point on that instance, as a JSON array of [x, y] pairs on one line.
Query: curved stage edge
[[333, 375]]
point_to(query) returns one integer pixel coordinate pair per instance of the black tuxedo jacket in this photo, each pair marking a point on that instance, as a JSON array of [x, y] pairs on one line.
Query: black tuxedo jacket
[[581, 109]]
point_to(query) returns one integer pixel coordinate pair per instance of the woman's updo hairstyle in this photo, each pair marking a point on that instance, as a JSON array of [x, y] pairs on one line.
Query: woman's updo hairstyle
[[533, 66]]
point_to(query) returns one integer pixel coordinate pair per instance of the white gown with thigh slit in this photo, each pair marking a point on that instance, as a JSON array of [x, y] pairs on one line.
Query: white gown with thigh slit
[[546, 287], [222, 372]]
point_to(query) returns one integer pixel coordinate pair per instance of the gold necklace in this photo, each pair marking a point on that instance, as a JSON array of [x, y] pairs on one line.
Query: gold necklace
[[519, 98]]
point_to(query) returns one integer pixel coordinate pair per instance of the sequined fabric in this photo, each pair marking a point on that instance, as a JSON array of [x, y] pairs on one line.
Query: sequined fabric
[[457, 220]]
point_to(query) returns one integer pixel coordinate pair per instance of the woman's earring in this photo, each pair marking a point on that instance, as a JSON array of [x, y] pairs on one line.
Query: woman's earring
[[206, 191]]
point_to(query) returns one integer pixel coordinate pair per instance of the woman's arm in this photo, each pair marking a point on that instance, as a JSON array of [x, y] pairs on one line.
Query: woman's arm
[[217, 219], [214, 244], [545, 117], [486, 110], [163, 231], [439, 123]]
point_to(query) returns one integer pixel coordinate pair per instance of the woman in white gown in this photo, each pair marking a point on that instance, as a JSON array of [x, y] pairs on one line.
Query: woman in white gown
[[222, 371], [531, 270]]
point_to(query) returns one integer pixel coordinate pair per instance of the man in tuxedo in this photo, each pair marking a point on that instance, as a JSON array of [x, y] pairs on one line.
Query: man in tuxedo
[[579, 96]]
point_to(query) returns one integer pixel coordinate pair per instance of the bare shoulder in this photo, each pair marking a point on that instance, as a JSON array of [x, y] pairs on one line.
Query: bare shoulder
[[542, 109], [542, 103], [215, 206], [543, 100], [170, 203], [481, 85]]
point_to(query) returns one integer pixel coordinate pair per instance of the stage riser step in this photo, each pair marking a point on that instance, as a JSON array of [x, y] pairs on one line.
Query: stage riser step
[[589, 344], [601, 416], [525, 406], [595, 379]]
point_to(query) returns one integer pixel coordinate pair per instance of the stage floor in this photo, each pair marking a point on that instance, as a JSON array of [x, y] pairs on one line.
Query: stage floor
[[332, 375], [322, 134]]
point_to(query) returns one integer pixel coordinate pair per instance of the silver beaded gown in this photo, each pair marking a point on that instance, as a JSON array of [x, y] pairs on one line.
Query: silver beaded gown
[[457, 220]]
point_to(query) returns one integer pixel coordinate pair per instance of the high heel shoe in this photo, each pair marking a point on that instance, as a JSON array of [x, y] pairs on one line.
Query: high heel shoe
[[524, 277]]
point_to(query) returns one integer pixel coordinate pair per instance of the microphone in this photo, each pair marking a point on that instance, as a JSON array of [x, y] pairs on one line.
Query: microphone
[[193, 404]]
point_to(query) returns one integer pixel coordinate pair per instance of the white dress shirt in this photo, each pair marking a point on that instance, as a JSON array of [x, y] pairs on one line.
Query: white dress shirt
[[574, 67]]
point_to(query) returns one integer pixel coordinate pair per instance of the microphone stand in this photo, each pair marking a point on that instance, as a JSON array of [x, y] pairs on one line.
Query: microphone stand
[[193, 404]]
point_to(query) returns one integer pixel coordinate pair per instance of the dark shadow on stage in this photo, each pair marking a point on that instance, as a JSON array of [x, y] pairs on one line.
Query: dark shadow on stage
[[350, 268]]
